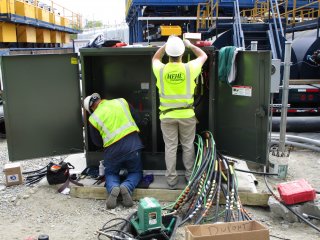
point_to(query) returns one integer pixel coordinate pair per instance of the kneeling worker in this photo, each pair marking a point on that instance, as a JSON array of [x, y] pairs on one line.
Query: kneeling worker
[[113, 127]]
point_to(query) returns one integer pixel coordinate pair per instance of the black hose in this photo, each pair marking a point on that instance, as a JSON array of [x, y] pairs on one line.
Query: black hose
[[197, 199], [254, 172], [218, 194], [34, 171], [310, 216]]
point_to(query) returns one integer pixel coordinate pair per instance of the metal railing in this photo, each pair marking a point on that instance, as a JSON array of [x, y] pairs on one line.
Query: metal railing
[[72, 19], [205, 13], [261, 11], [238, 36], [277, 24], [303, 13]]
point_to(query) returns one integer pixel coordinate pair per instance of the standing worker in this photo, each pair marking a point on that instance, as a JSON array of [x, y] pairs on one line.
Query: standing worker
[[113, 127], [176, 84]]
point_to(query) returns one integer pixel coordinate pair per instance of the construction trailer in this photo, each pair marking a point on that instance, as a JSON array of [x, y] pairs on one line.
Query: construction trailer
[[44, 115], [33, 23]]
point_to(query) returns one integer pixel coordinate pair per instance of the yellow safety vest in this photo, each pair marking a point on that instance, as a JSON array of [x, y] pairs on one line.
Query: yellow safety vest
[[176, 90], [113, 120]]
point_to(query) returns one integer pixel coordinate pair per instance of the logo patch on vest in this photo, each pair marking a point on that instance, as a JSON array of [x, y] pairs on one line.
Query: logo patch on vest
[[175, 77]]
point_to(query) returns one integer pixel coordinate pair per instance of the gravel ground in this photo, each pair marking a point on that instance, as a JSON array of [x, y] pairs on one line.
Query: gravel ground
[[30, 211]]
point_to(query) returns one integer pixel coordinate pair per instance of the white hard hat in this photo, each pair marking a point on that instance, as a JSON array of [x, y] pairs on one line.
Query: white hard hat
[[174, 46], [88, 101]]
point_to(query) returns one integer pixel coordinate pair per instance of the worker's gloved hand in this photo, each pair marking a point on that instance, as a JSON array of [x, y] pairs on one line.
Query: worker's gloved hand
[[187, 43]]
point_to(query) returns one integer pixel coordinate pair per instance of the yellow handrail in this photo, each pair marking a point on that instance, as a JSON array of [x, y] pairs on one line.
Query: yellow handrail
[[205, 17], [300, 12], [73, 18], [261, 11], [128, 5]]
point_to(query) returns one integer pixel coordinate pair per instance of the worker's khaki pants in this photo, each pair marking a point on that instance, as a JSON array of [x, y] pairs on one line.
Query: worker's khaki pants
[[173, 131]]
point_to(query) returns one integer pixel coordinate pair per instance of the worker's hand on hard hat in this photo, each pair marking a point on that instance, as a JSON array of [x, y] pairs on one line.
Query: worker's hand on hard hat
[[187, 43]]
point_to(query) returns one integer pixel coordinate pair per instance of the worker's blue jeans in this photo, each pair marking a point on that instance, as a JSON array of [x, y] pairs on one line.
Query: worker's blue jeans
[[131, 162]]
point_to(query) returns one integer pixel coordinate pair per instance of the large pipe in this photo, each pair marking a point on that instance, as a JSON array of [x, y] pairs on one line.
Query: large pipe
[[298, 124], [304, 43]]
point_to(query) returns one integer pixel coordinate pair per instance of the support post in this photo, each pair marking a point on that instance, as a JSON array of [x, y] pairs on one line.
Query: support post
[[285, 94]]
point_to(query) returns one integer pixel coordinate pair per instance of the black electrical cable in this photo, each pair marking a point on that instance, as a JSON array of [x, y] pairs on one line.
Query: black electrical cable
[[196, 198], [34, 171], [195, 188], [213, 176], [232, 199], [310, 216], [254, 172], [279, 237], [289, 208], [247, 171], [226, 192], [152, 236], [33, 181], [211, 179], [236, 198], [201, 217], [107, 229], [218, 193], [107, 234]]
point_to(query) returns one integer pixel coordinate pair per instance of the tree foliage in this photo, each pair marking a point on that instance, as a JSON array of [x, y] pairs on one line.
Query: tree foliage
[[93, 24]]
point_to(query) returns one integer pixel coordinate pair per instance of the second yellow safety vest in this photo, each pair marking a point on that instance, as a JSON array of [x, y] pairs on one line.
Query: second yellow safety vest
[[175, 87]]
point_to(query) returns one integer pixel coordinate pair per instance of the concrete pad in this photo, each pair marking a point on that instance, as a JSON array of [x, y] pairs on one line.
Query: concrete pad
[[160, 182], [246, 181]]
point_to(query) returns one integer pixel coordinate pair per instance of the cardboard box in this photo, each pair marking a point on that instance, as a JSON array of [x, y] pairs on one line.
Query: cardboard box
[[246, 230], [13, 174]]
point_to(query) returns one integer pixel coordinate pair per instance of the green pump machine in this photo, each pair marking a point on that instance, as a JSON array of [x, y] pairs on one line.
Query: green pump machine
[[148, 220]]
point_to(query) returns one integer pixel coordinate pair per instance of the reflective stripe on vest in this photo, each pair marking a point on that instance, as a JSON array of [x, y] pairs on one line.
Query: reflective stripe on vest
[[110, 136], [188, 94]]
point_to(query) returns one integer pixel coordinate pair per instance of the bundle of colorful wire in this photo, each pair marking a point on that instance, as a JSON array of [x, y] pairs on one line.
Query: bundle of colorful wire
[[212, 176]]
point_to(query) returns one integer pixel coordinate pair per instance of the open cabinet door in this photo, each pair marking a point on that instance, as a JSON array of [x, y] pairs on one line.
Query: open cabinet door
[[241, 110], [42, 105]]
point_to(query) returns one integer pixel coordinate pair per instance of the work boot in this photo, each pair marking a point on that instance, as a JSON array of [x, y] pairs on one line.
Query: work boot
[[112, 199], [126, 197], [173, 185]]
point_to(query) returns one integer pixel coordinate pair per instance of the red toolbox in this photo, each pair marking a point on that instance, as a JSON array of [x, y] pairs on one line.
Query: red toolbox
[[296, 192]]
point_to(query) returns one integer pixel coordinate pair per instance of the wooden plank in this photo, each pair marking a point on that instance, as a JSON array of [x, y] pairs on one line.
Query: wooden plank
[[251, 199], [100, 193], [165, 195]]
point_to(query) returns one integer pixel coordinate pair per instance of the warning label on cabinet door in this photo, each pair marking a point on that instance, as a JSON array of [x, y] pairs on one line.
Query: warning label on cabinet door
[[245, 91]]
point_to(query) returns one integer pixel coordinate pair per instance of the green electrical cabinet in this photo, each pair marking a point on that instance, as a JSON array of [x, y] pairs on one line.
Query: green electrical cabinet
[[41, 105], [43, 114]]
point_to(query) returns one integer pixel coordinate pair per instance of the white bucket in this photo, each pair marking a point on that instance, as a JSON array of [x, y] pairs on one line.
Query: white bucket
[[278, 165]]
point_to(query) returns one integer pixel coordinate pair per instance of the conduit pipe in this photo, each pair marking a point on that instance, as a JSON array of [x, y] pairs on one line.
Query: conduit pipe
[[298, 139], [301, 145]]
